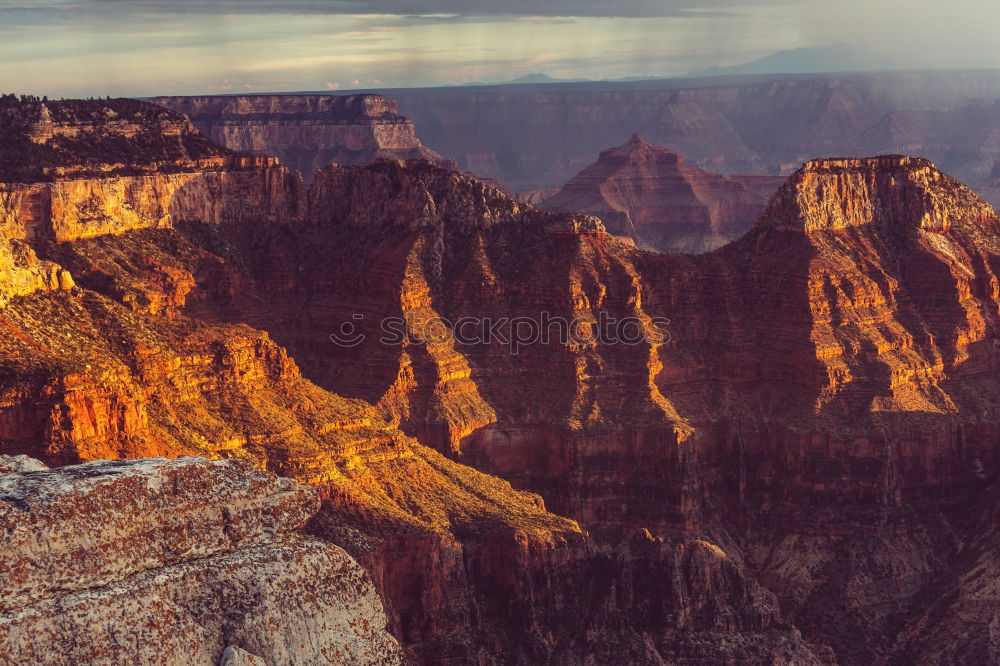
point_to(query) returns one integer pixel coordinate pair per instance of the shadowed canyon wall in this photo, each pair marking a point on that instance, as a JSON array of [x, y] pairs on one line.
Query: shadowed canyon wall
[[839, 355]]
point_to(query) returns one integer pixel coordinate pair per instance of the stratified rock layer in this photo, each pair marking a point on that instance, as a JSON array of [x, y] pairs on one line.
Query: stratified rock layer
[[176, 561], [306, 131], [652, 196], [80, 169]]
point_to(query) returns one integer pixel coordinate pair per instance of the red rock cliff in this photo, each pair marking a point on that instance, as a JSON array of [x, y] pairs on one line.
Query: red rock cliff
[[306, 131], [79, 169], [652, 196]]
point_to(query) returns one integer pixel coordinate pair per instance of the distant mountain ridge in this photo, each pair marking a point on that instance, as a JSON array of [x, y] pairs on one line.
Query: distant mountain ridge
[[807, 60], [540, 77]]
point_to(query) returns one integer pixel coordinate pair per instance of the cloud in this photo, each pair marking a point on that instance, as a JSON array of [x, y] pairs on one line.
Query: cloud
[[140, 47], [332, 85], [444, 10]]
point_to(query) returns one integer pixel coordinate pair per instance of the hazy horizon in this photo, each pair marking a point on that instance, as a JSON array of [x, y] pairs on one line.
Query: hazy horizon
[[151, 47]]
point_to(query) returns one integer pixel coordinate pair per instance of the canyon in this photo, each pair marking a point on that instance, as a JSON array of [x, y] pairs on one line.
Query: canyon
[[795, 462]]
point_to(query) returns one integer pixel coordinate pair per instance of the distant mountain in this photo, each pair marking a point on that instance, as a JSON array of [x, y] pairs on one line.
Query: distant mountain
[[528, 79], [835, 58], [539, 77]]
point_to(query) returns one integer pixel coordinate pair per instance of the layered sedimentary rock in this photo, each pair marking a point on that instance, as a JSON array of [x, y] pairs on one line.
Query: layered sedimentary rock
[[654, 197], [181, 561], [450, 248], [78, 169], [797, 467], [231, 190], [306, 132]]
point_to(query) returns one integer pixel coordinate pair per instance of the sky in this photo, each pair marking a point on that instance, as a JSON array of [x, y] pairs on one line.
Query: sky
[[78, 48]]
